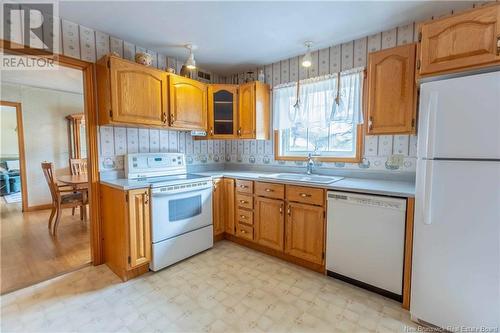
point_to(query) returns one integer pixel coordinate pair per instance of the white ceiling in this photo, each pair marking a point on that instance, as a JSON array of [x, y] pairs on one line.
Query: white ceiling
[[236, 36], [62, 79]]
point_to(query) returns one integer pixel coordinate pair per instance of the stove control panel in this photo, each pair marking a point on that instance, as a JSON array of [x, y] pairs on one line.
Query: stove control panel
[[144, 165]]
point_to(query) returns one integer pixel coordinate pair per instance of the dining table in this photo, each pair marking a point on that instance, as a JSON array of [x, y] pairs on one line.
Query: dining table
[[80, 181]]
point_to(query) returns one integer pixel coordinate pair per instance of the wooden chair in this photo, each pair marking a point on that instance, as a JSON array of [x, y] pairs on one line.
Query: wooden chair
[[78, 166], [63, 196]]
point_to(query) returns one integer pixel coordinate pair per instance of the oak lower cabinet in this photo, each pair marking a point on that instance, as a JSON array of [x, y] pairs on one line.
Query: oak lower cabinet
[[392, 91], [463, 41], [218, 206], [126, 226], [131, 94], [269, 223], [305, 232], [188, 103], [223, 207], [229, 205]]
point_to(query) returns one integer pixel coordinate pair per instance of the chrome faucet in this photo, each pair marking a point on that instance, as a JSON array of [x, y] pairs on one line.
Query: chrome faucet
[[310, 164]]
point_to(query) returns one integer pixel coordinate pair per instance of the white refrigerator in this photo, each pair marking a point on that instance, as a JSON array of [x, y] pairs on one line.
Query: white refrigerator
[[456, 250]]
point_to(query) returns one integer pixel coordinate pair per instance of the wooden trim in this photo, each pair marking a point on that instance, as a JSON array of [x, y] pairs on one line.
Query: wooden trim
[[276, 253], [218, 237], [356, 159], [38, 207], [89, 94], [22, 155], [410, 207]]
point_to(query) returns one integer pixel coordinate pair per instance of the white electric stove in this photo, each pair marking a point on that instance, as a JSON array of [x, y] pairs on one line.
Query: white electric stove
[[181, 206]]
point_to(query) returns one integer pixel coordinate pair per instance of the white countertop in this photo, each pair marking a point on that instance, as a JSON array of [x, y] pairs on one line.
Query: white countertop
[[359, 185]]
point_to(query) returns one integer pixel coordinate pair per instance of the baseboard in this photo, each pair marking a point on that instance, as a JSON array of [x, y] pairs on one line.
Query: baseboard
[[38, 207]]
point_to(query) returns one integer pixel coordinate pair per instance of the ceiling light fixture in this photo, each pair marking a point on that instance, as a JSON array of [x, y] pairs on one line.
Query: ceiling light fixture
[[307, 58], [190, 62]]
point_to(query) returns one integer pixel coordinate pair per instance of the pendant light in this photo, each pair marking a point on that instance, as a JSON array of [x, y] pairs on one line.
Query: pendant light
[[307, 58], [190, 62]]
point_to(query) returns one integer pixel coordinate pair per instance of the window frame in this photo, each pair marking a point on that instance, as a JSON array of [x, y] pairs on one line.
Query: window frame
[[360, 136]]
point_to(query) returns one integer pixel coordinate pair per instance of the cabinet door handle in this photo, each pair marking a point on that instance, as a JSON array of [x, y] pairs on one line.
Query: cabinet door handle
[[211, 131], [172, 118], [305, 195], [146, 198], [289, 211], [370, 123], [269, 190], [164, 116], [281, 209], [239, 131]]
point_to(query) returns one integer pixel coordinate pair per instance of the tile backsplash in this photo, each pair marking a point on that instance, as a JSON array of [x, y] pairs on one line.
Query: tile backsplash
[[115, 142]]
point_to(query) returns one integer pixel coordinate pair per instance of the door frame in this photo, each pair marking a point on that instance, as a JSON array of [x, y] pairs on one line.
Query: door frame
[[20, 147], [90, 110]]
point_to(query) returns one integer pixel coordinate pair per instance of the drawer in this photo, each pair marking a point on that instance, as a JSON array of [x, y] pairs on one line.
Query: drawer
[[270, 190], [244, 186], [307, 195], [244, 231], [244, 201], [244, 216]]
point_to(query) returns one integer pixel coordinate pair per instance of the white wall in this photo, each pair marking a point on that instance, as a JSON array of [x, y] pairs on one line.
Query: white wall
[[45, 132], [8, 126]]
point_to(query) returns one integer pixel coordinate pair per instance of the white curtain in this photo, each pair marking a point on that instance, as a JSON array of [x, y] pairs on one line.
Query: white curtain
[[317, 105], [349, 106]]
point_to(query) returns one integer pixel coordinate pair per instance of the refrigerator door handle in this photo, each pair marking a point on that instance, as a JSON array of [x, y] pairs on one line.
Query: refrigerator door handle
[[427, 193], [431, 124]]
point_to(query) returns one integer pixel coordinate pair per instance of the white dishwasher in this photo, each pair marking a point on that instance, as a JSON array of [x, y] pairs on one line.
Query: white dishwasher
[[365, 241]]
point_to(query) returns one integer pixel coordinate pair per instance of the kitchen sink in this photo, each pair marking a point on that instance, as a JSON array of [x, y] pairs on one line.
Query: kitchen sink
[[297, 177]]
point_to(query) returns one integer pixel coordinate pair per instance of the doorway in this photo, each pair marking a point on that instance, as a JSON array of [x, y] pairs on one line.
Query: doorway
[[51, 232], [12, 163]]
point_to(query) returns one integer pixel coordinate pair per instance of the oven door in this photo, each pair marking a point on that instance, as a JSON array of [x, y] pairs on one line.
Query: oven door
[[176, 214]]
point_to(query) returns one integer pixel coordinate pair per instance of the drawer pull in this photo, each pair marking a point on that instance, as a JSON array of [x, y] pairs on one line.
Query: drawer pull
[[305, 195], [243, 231], [243, 202], [243, 186], [269, 190], [243, 216]]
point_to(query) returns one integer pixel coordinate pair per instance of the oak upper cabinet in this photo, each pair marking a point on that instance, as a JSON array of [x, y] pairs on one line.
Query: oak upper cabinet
[[467, 40], [218, 206], [392, 91], [139, 227], [129, 93], [305, 232], [229, 205], [269, 223], [188, 103], [253, 111], [126, 227], [222, 111]]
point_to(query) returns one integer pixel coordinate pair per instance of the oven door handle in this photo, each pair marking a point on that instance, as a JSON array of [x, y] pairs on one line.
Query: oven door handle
[[167, 193]]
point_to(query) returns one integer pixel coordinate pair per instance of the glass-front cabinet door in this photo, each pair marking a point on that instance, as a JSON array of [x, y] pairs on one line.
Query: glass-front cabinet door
[[222, 111]]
